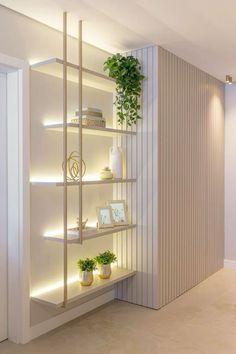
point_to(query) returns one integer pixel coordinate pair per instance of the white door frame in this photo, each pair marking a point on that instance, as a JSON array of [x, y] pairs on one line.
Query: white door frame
[[18, 148], [3, 206]]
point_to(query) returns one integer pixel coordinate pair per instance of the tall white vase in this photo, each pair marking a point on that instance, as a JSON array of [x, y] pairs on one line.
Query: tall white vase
[[115, 161]]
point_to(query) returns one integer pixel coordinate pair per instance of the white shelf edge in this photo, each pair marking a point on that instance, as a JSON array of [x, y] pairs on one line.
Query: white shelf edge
[[85, 183], [91, 78], [71, 65], [99, 233], [89, 130], [54, 298]]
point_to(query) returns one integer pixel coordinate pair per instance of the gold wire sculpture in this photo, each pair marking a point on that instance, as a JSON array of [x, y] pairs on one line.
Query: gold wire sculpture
[[73, 172]]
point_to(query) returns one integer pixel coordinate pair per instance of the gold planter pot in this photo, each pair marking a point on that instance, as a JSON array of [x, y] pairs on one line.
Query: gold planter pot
[[86, 278], [104, 271]]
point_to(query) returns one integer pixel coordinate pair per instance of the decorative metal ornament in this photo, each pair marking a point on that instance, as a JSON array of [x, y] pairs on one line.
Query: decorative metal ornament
[[73, 171]]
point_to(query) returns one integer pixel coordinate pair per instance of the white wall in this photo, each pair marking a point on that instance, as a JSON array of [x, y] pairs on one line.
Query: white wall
[[230, 173], [3, 206], [27, 39]]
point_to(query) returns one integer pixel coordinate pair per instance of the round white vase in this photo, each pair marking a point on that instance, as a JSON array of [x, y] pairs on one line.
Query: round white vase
[[115, 162]]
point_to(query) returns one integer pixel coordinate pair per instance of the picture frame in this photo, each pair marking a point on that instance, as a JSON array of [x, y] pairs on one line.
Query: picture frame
[[104, 216], [119, 212]]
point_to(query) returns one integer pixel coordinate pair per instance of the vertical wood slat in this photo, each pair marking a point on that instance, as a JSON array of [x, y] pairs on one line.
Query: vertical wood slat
[[80, 78], [191, 176], [141, 244], [65, 250]]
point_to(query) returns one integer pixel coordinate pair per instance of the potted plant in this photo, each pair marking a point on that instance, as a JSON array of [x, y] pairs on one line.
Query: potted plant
[[127, 73], [86, 266], [104, 261]]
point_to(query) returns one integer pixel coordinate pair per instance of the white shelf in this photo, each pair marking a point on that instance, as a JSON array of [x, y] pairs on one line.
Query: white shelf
[[54, 67], [76, 292], [89, 234], [73, 128], [85, 183]]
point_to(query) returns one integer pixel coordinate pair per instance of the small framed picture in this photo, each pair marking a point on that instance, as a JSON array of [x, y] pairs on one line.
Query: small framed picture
[[105, 218], [119, 212]]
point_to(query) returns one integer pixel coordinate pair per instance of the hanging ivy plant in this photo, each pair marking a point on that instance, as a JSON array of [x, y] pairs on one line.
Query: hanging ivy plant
[[127, 73]]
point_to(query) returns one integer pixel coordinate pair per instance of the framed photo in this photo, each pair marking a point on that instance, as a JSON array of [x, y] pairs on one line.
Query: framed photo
[[105, 218], [119, 212]]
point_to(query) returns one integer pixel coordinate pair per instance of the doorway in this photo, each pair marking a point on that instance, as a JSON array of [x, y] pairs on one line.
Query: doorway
[[3, 206], [14, 200]]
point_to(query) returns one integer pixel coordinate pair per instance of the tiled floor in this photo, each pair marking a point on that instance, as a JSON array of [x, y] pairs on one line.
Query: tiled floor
[[202, 321]]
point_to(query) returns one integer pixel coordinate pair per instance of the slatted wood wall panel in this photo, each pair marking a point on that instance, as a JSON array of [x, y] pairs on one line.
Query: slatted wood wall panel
[[190, 176], [137, 249]]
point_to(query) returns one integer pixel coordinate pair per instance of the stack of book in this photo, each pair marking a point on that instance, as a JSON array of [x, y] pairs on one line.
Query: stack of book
[[90, 117]]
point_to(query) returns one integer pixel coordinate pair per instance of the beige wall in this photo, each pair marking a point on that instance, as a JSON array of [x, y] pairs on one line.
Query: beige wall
[[191, 176]]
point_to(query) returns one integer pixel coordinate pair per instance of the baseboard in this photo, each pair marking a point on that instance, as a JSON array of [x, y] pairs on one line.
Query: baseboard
[[229, 264], [70, 315]]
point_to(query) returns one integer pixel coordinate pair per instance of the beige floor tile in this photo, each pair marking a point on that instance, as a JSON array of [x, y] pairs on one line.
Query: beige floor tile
[[201, 321]]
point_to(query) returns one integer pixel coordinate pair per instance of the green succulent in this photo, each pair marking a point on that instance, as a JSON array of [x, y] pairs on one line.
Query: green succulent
[[106, 258], [88, 264], [127, 73]]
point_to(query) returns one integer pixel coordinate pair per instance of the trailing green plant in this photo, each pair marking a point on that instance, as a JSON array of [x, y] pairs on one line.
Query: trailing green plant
[[87, 264], [106, 257], [127, 73]]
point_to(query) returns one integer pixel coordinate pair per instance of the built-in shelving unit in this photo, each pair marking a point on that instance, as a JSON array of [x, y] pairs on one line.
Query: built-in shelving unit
[[71, 73], [76, 292], [88, 234]]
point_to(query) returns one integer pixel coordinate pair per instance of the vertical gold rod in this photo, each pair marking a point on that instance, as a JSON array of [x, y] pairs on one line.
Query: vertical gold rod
[[65, 154], [80, 135]]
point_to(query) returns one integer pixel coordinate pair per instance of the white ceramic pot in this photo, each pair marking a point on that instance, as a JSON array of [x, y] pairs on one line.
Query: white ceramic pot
[[106, 174], [104, 271], [86, 278]]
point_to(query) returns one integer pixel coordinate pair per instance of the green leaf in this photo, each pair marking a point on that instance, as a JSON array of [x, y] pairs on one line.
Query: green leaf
[[127, 73]]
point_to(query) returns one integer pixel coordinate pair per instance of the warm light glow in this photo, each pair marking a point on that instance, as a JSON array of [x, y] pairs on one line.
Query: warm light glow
[[94, 177], [60, 284], [45, 179], [58, 179], [54, 286], [229, 79], [54, 233], [51, 121], [33, 61]]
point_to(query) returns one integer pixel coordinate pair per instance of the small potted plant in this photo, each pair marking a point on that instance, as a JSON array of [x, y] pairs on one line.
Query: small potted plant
[[126, 70], [86, 266], [104, 261]]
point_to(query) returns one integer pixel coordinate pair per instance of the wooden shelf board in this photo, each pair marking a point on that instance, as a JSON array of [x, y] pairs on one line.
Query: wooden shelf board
[[91, 78], [85, 183], [73, 128], [76, 291], [90, 234]]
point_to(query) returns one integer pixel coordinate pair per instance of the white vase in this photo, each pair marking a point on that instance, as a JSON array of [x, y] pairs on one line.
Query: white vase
[[115, 162], [104, 271]]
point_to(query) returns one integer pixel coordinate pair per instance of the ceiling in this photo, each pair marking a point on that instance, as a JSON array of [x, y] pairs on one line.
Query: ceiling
[[201, 32]]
